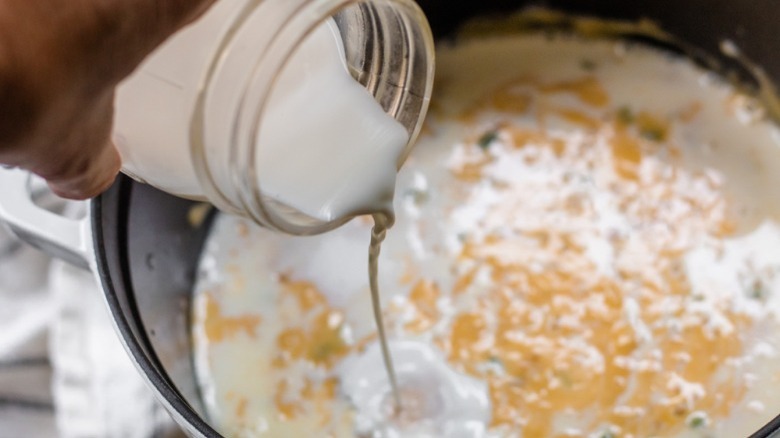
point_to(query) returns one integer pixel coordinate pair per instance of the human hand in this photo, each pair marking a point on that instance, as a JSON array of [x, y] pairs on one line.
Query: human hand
[[60, 62]]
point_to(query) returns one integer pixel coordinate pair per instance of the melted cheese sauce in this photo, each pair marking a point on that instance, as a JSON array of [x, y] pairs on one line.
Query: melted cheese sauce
[[586, 242]]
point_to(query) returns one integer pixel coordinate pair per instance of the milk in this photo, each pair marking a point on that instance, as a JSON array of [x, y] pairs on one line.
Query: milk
[[356, 174], [322, 145], [437, 401], [326, 147]]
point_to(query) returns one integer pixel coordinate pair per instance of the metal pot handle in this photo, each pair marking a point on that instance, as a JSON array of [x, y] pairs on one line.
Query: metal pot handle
[[61, 237]]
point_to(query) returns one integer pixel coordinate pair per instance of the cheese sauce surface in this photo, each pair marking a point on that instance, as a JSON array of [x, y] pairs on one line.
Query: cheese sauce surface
[[586, 245]]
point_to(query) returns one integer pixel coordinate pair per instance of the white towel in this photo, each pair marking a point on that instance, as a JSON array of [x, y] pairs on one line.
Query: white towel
[[97, 390], [26, 408], [63, 371]]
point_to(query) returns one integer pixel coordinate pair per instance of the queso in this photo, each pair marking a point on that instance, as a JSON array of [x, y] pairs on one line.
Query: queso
[[587, 244]]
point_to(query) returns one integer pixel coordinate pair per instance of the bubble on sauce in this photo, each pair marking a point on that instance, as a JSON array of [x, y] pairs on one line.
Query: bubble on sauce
[[436, 400], [416, 404]]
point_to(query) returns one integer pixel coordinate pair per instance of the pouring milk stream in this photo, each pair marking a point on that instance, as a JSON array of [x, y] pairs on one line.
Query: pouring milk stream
[[325, 147]]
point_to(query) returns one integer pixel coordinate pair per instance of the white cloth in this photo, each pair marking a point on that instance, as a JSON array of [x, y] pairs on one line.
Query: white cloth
[[97, 390], [26, 408], [63, 371]]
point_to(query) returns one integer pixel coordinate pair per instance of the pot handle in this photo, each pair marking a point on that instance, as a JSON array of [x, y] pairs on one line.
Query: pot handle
[[61, 237]]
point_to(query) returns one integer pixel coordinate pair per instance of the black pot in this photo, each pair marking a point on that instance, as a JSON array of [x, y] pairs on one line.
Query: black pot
[[146, 249]]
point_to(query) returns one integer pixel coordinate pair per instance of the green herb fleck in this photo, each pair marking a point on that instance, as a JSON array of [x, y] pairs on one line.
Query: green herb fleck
[[697, 420], [487, 138], [588, 64], [323, 351], [565, 379], [652, 134], [606, 434], [758, 292], [419, 197], [625, 115]]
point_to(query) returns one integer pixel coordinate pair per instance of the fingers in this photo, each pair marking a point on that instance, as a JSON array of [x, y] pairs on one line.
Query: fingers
[[99, 173], [196, 9], [80, 162], [59, 65]]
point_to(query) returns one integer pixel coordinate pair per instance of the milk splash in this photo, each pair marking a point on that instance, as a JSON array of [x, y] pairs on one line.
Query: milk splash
[[436, 400]]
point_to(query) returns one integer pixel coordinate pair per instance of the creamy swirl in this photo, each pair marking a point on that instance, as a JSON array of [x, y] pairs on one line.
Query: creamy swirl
[[436, 399]]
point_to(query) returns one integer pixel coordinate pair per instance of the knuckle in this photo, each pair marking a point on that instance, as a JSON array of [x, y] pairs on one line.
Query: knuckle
[[64, 168]]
